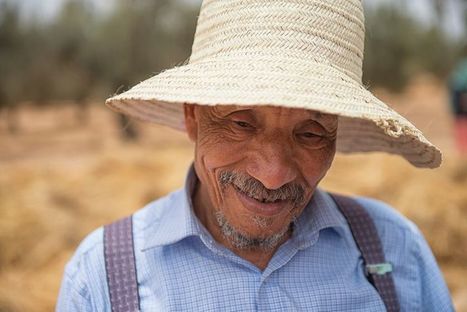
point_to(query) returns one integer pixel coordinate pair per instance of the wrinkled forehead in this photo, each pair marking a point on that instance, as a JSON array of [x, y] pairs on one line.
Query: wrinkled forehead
[[267, 111]]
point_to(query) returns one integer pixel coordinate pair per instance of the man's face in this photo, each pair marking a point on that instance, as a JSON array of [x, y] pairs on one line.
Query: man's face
[[258, 168]]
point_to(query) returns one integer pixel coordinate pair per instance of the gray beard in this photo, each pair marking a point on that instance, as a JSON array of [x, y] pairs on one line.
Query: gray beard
[[243, 242]]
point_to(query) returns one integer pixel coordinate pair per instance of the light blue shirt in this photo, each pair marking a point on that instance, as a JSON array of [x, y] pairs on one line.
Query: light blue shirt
[[180, 267]]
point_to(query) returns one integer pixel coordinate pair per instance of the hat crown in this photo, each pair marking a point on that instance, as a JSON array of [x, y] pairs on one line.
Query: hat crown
[[326, 31]]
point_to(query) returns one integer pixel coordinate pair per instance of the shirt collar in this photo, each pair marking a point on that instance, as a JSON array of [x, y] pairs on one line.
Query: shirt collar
[[177, 219], [321, 213]]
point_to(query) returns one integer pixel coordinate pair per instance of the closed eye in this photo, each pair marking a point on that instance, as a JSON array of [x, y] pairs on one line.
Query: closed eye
[[309, 135], [243, 124], [311, 139]]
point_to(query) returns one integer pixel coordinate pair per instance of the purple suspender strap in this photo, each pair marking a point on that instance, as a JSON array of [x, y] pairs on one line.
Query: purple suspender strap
[[364, 232], [120, 266]]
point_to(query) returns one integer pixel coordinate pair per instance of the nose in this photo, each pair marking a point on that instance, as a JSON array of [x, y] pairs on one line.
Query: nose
[[273, 164]]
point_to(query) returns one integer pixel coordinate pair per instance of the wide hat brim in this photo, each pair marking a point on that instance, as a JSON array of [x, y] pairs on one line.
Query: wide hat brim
[[366, 124]]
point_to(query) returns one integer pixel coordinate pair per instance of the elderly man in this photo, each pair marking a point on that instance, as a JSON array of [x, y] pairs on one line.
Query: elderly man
[[271, 90]]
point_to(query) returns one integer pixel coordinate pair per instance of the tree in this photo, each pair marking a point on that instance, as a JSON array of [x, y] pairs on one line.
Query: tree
[[440, 6], [395, 54], [11, 41]]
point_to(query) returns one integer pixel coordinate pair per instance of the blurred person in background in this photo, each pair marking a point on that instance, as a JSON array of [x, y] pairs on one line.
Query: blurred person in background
[[458, 88], [271, 91]]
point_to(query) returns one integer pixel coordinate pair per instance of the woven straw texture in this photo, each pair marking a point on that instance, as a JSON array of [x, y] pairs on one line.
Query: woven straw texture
[[290, 53]]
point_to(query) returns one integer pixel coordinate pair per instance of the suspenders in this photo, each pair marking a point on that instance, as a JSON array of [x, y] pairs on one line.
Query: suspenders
[[121, 268], [363, 229]]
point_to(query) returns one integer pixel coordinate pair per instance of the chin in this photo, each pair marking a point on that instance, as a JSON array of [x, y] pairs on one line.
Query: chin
[[257, 234]]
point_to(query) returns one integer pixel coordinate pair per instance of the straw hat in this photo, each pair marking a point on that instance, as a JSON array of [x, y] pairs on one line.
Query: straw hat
[[290, 53]]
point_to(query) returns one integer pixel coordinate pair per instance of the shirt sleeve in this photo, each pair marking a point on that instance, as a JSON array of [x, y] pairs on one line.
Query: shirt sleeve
[[434, 292], [73, 296], [84, 280]]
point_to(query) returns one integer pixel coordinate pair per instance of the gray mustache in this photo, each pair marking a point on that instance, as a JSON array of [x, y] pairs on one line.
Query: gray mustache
[[248, 185]]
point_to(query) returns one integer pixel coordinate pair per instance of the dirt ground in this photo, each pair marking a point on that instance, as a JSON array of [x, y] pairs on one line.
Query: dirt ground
[[60, 179]]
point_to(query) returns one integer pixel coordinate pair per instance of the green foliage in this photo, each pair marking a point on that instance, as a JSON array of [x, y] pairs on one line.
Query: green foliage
[[137, 40], [81, 54], [397, 48], [11, 41]]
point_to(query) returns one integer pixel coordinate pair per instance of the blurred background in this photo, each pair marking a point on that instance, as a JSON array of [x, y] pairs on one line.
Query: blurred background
[[69, 165]]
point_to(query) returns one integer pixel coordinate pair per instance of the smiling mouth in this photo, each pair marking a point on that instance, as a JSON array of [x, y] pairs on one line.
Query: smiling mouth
[[262, 200]]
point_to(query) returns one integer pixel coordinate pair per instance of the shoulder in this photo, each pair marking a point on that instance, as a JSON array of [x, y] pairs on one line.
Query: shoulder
[[90, 250], [86, 254], [85, 274], [399, 235], [416, 273], [391, 226], [384, 214]]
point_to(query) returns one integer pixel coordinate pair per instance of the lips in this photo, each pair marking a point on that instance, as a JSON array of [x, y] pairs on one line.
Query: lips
[[261, 207]]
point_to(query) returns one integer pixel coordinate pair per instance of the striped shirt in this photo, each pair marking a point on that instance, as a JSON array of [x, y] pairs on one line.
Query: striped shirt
[[180, 267]]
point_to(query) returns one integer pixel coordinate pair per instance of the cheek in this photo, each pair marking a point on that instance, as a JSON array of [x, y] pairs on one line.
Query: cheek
[[315, 164], [216, 148], [215, 152]]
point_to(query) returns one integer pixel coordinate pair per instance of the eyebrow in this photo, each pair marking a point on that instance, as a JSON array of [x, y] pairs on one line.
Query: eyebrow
[[228, 112], [320, 115], [315, 116]]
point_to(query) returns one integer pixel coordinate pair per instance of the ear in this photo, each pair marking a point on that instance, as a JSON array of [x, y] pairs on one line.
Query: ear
[[191, 121]]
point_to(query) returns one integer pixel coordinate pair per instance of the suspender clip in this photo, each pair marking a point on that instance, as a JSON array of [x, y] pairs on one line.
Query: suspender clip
[[379, 268]]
